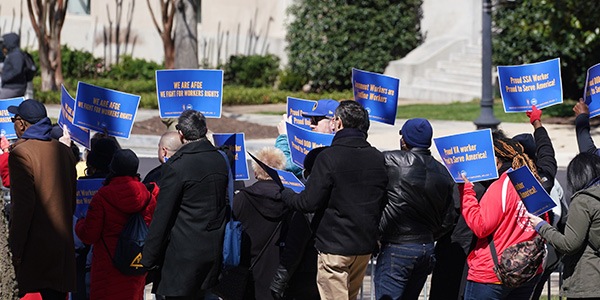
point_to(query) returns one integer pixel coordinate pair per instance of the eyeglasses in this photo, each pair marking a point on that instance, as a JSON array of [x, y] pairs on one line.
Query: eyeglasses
[[315, 120], [177, 127], [15, 118]]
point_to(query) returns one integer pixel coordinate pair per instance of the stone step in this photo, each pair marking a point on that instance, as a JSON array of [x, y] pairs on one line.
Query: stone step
[[455, 76]]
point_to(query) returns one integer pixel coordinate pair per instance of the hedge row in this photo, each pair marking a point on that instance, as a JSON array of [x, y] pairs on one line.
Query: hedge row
[[232, 95]]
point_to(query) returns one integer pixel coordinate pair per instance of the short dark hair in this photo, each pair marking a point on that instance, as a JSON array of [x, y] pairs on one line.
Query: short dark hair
[[582, 170], [192, 125], [353, 115]]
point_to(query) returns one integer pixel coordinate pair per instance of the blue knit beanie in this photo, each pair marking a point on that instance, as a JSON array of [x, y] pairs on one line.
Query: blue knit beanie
[[417, 133]]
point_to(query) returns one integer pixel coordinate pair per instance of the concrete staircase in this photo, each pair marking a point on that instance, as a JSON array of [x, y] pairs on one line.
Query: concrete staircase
[[443, 70]]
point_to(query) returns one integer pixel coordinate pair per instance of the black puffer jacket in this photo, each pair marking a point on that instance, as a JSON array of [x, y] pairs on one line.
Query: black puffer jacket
[[421, 206]]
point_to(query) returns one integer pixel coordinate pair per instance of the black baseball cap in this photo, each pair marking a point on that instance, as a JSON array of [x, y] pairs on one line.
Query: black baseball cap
[[29, 110]]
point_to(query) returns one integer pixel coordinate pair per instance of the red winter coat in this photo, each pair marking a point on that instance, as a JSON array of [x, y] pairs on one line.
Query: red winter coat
[[509, 226], [108, 212]]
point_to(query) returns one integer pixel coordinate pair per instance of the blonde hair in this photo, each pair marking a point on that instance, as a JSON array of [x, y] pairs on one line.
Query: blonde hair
[[272, 157]]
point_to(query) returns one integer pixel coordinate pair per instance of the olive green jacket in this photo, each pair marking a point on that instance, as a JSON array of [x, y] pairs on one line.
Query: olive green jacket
[[580, 241]]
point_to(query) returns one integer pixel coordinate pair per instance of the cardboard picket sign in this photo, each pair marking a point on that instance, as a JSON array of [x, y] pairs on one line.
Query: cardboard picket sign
[[7, 127], [86, 189], [238, 143], [105, 110], [281, 177], [301, 141], [470, 153], [537, 84], [65, 117], [534, 196], [377, 93], [180, 90], [591, 92], [296, 107]]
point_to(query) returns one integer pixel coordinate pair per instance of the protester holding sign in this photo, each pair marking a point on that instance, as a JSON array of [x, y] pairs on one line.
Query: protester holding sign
[[420, 209], [581, 239], [348, 187], [260, 209], [540, 150], [320, 118], [501, 215], [43, 202], [192, 203], [121, 196], [582, 128]]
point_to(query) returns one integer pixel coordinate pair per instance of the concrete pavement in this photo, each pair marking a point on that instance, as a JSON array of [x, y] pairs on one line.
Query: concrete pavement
[[382, 136]]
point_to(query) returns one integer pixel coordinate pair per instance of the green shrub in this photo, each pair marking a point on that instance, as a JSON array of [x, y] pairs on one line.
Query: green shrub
[[530, 31], [237, 95], [133, 68], [327, 38], [80, 64], [562, 110], [290, 81], [252, 71]]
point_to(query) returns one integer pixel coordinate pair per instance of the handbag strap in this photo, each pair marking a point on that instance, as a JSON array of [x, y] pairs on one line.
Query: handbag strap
[[491, 236], [265, 246], [229, 181]]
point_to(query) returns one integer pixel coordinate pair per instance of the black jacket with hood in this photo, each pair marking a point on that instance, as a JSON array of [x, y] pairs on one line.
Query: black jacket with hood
[[13, 72], [260, 209]]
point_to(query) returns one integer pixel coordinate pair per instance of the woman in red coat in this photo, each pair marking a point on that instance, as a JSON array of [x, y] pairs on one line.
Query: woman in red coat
[[121, 196]]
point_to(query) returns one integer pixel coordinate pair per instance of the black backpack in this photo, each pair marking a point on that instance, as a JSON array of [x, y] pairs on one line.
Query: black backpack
[[30, 68], [128, 254]]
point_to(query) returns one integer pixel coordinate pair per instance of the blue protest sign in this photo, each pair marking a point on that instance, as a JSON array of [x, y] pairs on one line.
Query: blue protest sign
[[281, 177], [301, 141], [86, 188], [591, 92], [67, 109], [237, 143], [289, 180], [377, 93], [101, 109], [7, 128], [534, 196], [536, 84], [296, 107], [470, 153], [180, 90]]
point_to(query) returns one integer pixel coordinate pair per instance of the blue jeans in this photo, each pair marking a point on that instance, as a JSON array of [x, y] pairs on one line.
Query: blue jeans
[[402, 270], [490, 291]]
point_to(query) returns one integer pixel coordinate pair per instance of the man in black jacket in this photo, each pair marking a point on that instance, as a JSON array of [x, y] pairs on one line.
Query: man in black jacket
[[420, 209], [347, 190], [185, 238]]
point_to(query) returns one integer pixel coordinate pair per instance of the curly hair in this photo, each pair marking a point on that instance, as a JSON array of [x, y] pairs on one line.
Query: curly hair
[[272, 157], [510, 151]]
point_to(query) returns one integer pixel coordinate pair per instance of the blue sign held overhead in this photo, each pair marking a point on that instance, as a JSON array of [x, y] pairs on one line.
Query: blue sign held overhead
[[102, 109], [237, 142], [470, 153], [180, 90], [296, 107], [591, 92], [67, 109], [7, 128], [377, 93], [534, 196], [86, 189], [536, 84], [301, 141]]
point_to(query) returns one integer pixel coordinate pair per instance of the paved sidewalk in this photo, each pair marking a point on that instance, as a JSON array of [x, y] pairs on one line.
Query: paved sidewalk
[[382, 136]]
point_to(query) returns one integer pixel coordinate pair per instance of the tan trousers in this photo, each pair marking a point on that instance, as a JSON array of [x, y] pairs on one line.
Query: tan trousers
[[340, 277]]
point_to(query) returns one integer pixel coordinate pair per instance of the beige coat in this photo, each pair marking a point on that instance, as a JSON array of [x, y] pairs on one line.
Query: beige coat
[[43, 187]]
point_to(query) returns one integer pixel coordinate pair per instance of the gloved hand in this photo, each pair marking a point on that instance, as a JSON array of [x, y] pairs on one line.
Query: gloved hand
[[534, 115], [280, 282]]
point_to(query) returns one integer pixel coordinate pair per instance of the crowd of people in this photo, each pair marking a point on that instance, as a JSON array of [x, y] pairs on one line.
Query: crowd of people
[[400, 206]]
